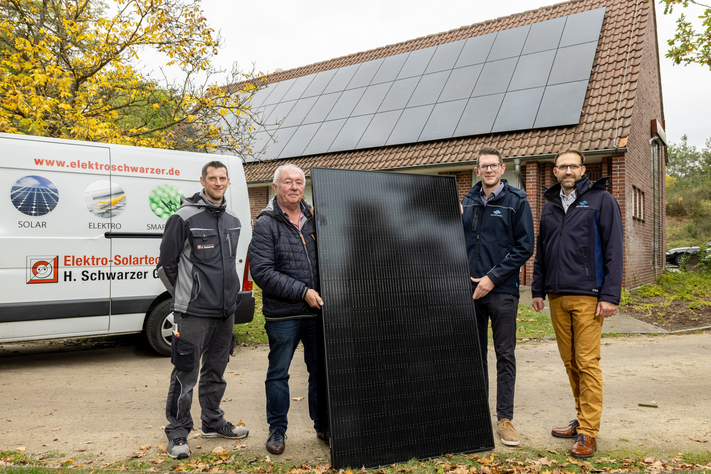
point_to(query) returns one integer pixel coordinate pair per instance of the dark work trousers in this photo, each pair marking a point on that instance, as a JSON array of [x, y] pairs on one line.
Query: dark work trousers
[[211, 339], [501, 308], [284, 337]]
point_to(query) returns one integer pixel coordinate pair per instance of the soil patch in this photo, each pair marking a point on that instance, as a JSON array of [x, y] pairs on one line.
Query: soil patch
[[671, 315]]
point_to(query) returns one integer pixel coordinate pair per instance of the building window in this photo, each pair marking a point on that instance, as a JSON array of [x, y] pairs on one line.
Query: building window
[[638, 196]]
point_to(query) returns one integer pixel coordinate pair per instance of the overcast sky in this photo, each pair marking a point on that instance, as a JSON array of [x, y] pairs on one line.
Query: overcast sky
[[291, 33]]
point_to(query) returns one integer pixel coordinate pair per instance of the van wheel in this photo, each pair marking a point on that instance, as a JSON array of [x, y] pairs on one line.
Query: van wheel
[[159, 328]]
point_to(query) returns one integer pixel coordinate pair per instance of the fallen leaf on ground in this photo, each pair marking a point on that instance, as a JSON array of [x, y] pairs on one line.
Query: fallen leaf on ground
[[162, 448], [145, 447], [196, 435], [21, 448], [219, 450], [552, 451], [297, 399], [83, 448], [699, 440], [241, 373], [226, 399], [56, 429], [46, 414]]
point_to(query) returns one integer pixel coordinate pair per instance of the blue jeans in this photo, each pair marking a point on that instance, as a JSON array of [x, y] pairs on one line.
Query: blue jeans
[[284, 337], [501, 308]]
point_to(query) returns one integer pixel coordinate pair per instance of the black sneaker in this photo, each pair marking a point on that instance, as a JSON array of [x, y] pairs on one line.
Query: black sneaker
[[275, 443], [178, 448], [228, 431], [325, 436]]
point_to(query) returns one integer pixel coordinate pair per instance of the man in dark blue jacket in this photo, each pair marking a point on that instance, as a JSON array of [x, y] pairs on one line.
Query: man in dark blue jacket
[[283, 262], [579, 266], [197, 266], [498, 227]]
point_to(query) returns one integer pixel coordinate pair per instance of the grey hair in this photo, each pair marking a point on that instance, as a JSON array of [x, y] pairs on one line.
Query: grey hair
[[277, 173]]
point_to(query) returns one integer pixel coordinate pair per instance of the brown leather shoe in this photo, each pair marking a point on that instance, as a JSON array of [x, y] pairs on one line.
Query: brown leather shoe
[[275, 443], [584, 447], [567, 431]]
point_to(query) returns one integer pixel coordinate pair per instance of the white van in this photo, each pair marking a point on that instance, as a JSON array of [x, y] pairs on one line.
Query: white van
[[80, 230]]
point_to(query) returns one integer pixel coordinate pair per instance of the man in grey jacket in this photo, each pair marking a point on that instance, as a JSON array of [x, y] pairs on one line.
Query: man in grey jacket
[[197, 266]]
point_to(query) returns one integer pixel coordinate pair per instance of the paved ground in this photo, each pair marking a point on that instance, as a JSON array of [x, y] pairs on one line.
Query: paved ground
[[104, 403]]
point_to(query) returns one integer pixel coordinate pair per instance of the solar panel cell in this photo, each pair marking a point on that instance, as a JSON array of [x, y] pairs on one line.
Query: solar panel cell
[[324, 137], [411, 123], [460, 83], [319, 83], [518, 111], [390, 68], [372, 98], [428, 89], [561, 104], [379, 129], [509, 43], [349, 135], [583, 27], [573, 63], [476, 50], [365, 74], [445, 56], [544, 35], [399, 94], [299, 140], [443, 120], [532, 70], [479, 115], [296, 90], [495, 77], [416, 63], [322, 108], [299, 111], [346, 103], [341, 79]]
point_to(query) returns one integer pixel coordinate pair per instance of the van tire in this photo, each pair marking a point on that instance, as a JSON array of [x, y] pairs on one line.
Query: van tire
[[159, 328]]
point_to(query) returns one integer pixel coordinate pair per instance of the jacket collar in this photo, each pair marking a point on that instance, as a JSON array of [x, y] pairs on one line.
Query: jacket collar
[[475, 192], [274, 210], [582, 186]]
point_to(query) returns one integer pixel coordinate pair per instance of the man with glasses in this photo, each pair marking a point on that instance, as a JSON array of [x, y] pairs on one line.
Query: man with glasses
[[498, 227], [579, 266]]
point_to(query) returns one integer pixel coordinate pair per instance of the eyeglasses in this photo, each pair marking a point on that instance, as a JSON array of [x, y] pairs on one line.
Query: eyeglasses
[[569, 167], [493, 167]]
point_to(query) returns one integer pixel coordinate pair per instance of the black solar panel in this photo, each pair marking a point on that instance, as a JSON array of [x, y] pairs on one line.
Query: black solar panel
[[491, 71], [403, 364]]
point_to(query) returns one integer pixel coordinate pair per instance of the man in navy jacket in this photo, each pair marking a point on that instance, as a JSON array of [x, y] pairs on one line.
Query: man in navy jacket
[[284, 263], [579, 266], [498, 227]]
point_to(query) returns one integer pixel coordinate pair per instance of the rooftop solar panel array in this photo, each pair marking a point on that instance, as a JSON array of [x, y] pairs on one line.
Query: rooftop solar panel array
[[405, 377], [533, 76]]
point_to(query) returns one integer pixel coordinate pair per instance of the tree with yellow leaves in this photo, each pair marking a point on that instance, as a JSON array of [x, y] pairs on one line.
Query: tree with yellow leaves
[[68, 69]]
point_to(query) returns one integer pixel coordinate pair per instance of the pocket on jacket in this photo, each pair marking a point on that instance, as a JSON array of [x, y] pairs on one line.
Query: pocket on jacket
[[586, 262], [232, 238], [206, 244], [196, 287], [182, 354]]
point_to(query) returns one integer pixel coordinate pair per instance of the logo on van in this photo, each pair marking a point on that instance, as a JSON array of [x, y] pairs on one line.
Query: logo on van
[[42, 269]]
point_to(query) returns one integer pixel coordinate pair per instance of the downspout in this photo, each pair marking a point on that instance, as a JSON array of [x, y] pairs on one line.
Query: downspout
[[517, 162]]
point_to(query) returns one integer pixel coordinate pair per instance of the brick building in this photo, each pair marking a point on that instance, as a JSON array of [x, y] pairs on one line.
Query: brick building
[[620, 129]]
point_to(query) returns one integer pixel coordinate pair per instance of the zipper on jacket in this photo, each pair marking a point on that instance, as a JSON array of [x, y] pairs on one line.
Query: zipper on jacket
[[303, 241], [585, 256]]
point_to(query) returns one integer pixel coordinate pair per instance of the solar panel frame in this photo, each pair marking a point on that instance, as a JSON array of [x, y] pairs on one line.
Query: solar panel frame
[[532, 70], [544, 35], [560, 104], [518, 110], [573, 63], [583, 27], [443, 120], [404, 371], [479, 115]]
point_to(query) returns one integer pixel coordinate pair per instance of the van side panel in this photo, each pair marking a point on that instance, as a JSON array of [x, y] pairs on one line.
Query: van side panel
[[50, 233]]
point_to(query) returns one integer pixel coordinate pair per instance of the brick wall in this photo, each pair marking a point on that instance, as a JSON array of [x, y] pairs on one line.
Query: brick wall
[[636, 169], [258, 200], [464, 181]]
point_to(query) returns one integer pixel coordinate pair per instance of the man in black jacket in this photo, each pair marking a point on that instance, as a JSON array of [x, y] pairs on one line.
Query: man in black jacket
[[197, 266], [283, 262], [578, 266], [498, 228]]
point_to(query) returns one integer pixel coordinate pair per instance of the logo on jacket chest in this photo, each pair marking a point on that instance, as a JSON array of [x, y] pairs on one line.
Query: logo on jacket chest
[[205, 246], [496, 213], [583, 204]]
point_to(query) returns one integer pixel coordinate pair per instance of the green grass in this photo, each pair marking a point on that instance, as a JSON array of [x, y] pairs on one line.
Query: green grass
[[524, 459], [253, 333], [693, 287], [530, 324]]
